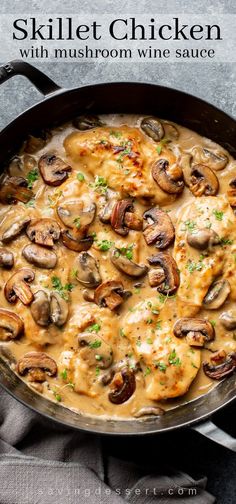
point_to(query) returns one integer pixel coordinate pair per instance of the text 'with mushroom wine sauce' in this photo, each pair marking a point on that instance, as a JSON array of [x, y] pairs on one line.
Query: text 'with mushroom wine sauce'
[[118, 265]]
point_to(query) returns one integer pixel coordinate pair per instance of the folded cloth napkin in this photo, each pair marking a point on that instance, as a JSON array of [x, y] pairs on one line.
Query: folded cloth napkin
[[43, 463]]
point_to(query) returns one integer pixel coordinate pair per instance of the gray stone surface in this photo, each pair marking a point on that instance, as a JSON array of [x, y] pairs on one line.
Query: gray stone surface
[[215, 82]]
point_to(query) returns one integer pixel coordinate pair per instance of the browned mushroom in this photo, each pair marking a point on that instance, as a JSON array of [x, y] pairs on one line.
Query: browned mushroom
[[201, 180], [86, 122], [37, 365], [203, 238], [169, 180], [156, 276], [153, 128], [6, 258], [123, 386], [109, 294], [167, 263], [75, 243], [14, 189], [15, 229], [171, 132], [226, 367], [228, 320], [231, 193], [37, 141], [73, 214], [53, 169], [158, 228], [217, 294], [87, 270], [39, 256], [197, 331], [215, 160], [11, 325], [123, 217], [94, 350], [43, 231], [40, 308], [125, 265], [17, 287], [59, 309]]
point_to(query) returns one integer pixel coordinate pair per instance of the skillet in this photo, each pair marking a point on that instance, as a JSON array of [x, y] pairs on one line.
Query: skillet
[[58, 106]]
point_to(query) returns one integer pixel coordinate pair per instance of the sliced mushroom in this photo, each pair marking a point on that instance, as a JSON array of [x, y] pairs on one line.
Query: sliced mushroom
[[158, 228], [37, 365], [58, 309], [40, 308], [15, 229], [43, 231], [231, 193], [37, 141], [125, 265], [94, 350], [156, 276], [228, 320], [153, 128], [123, 386], [106, 212], [6, 258], [75, 243], [123, 217], [73, 214], [203, 238], [15, 167], [87, 270], [17, 287], [197, 331], [167, 263], [109, 294], [14, 189], [11, 325], [53, 169], [171, 183], [171, 132], [215, 160], [201, 180], [86, 122], [148, 411], [219, 371], [217, 294], [39, 256]]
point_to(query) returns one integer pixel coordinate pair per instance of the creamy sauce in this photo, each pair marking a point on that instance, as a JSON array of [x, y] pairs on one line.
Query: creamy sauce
[[140, 331]]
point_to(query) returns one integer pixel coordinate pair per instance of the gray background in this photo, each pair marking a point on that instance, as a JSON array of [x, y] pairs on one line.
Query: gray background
[[215, 82]]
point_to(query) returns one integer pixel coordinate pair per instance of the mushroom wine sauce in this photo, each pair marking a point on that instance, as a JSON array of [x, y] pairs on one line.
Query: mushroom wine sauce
[[118, 265]]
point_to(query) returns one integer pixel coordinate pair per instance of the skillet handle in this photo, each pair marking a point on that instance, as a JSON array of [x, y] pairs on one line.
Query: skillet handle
[[43, 83], [214, 433]]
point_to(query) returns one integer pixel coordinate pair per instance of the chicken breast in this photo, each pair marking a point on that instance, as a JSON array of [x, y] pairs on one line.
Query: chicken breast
[[200, 268], [169, 364], [122, 156]]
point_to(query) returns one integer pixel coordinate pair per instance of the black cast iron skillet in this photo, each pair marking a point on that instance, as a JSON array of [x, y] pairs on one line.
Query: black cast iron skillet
[[60, 105]]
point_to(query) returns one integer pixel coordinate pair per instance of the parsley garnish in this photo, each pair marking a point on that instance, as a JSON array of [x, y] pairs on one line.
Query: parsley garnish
[[173, 359], [61, 289], [218, 214], [77, 222], [99, 185], [32, 176], [95, 344], [147, 371], [64, 374], [104, 245], [161, 366], [80, 176], [94, 328]]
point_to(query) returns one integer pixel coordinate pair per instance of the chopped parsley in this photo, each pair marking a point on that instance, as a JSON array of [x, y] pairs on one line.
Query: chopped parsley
[[98, 357], [192, 266], [30, 203], [94, 328], [213, 323], [122, 333], [173, 359], [149, 341], [116, 134], [147, 371], [127, 251], [149, 321], [99, 185], [189, 225], [63, 374], [61, 289], [218, 214], [95, 344], [32, 176], [97, 371], [226, 241], [104, 245], [57, 396], [158, 325], [80, 176], [161, 366], [77, 222]]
